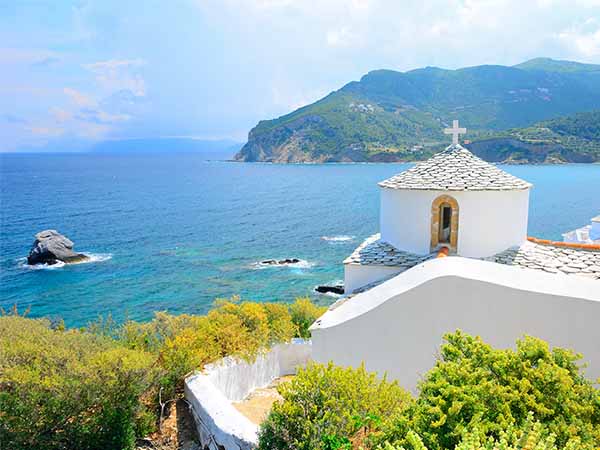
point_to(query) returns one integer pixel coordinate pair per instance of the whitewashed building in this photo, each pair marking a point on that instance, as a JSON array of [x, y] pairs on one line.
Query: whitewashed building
[[588, 234], [496, 282]]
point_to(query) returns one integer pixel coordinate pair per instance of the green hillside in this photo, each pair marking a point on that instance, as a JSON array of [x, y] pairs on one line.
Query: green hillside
[[573, 138], [392, 116]]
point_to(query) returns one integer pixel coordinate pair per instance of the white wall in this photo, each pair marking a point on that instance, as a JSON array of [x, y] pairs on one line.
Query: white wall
[[357, 276], [489, 221], [405, 218], [397, 327], [211, 393], [236, 378]]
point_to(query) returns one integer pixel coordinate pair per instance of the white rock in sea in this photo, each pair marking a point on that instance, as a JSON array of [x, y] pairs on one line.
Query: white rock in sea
[[50, 247]]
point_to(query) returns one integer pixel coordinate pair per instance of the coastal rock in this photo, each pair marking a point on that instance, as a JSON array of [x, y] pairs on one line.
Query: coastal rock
[[338, 289], [50, 247], [280, 262]]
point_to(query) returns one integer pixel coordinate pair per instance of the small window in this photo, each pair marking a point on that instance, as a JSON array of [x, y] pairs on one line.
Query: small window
[[445, 219], [444, 223]]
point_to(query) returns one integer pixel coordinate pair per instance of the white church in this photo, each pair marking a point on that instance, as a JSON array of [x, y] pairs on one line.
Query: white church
[[453, 253]]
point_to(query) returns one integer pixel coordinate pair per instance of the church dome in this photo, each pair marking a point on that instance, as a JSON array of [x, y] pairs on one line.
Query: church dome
[[454, 200], [455, 169]]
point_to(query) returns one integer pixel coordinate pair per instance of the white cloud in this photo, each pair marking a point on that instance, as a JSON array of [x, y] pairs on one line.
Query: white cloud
[[341, 37], [583, 38], [94, 115], [26, 56], [79, 98], [115, 75], [46, 131], [61, 115]]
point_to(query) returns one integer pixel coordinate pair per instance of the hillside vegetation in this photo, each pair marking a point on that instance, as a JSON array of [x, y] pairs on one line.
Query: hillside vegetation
[[97, 388], [574, 138], [399, 116]]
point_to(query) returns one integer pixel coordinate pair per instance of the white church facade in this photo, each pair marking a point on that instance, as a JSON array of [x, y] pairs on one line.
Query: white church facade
[[453, 253]]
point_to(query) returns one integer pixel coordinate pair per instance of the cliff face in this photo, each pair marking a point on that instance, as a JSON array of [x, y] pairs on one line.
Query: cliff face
[[394, 116], [286, 144]]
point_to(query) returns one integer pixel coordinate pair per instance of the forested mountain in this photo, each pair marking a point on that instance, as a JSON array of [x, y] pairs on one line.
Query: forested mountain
[[573, 138], [395, 116]]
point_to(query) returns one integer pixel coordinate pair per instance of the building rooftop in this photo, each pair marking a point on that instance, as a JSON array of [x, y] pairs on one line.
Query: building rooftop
[[548, 258], [553, 259], [455, 169], [374, 252]]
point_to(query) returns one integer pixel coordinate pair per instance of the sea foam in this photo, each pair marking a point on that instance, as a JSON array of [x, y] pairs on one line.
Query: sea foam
[[92, 258], [338, 238]]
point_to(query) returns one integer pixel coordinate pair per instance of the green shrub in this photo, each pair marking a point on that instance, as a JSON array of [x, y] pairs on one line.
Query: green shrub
[[326, 407], [70, 389], [475, 386], [531, 436], [304, 313]]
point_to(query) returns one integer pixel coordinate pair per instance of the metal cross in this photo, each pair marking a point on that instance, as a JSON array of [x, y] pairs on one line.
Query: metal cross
[[455, 131]]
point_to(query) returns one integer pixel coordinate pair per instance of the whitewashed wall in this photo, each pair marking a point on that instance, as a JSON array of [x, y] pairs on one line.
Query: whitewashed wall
[[489, 221], [357, 276], [397, 327], [212, 391]]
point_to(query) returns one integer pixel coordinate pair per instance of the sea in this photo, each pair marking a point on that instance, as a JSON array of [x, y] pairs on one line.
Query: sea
[[173, 232]]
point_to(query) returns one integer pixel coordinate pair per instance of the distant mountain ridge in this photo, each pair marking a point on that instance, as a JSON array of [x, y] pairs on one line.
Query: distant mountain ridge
[[399, 116]]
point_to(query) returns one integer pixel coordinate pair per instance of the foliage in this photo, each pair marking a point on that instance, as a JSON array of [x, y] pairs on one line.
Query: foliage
[[70, 389], [475, 386], [186, 342], [303, 313], [531, 436], [96, 388], [475, 398], [327, 407], [574, 138]]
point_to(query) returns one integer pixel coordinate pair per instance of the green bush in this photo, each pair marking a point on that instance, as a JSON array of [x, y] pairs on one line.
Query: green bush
[[475, 386], [304, 313], [531, 436], [70, 389], [326, 407]]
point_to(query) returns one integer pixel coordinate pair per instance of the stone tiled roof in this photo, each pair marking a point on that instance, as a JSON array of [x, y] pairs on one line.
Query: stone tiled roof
[[571, 261], [455, 169], [552, 259], [374, 252]]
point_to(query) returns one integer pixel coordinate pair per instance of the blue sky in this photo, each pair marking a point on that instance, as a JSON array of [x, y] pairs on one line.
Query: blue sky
[[74, 72]]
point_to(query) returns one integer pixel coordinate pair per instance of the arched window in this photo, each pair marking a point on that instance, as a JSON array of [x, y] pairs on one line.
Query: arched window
[[444, 223]]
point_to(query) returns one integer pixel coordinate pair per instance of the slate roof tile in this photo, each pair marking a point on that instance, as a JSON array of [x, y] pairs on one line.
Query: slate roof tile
[[455, 169]]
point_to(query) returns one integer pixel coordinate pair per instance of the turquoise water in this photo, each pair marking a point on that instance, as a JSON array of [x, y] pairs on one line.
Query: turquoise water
[[174, 232]]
